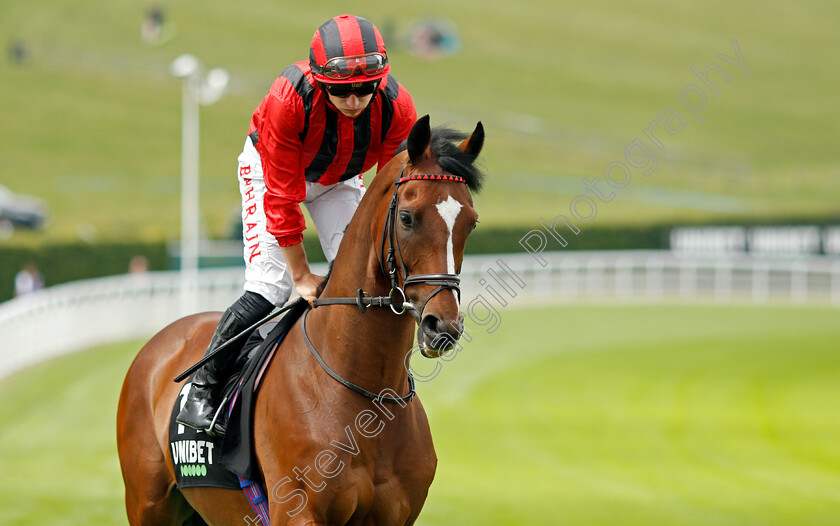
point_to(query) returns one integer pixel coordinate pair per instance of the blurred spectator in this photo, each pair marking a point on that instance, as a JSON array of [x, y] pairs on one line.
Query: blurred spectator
[[152, 28], [28, 280], [138, 265], [18, 52], [433, 38]]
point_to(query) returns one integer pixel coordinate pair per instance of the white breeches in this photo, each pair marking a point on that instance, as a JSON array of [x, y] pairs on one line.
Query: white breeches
[[330, 207]]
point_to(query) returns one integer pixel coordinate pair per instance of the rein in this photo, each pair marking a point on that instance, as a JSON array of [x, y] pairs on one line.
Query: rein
[[394, 262], [347, 383]]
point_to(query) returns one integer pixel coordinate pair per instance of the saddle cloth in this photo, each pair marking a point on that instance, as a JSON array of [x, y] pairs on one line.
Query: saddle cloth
[[201, 460]]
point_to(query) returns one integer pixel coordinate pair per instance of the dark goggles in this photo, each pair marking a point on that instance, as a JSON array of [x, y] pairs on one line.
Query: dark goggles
[[343, 68], [360, 89]]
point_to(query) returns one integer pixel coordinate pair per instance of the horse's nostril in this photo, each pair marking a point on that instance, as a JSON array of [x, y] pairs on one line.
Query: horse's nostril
[[429, 325], [434, 326]]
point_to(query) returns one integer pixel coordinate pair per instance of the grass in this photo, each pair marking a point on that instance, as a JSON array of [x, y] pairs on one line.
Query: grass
[[58, 440], [632, 415], [92, 122], [643, 415]]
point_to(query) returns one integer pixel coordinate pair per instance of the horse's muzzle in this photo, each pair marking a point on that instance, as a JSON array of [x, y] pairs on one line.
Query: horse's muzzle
[[437, 337]]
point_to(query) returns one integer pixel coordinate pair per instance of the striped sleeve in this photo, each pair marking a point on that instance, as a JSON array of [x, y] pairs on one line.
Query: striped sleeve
[[402, 118], [281, 152]]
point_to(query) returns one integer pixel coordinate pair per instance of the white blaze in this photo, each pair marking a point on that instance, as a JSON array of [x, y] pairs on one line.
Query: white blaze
[[449, 211]]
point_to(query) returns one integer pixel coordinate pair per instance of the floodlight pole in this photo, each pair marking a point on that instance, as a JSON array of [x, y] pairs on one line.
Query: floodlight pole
[[198, 88], [189, 196]]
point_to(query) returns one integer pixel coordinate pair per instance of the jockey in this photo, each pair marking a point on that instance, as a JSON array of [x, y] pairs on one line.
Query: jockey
[[322, 124]]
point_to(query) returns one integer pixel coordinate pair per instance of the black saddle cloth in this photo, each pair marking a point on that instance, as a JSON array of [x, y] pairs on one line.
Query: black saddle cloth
[[202, 460]]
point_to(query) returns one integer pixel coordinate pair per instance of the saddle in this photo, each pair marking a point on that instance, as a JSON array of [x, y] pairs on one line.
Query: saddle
[[226, 459]]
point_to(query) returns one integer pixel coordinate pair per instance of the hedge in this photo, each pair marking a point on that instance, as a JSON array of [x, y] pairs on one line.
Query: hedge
[[59, 263]]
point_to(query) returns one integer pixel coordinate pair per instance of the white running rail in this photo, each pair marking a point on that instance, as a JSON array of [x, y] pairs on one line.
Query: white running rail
[[75, 316]]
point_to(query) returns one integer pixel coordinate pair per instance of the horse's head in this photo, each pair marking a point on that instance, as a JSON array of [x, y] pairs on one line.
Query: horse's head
[[430, 217]]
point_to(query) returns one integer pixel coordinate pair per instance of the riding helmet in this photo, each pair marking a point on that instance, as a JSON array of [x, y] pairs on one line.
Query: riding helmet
[[348, 49]]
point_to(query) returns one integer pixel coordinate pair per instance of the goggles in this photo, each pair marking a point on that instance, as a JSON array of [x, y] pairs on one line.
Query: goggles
[[343, 68], [361, 89]]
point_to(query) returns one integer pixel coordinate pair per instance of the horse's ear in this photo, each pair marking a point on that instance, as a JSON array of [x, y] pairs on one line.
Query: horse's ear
[[419, 139], [474, 142]]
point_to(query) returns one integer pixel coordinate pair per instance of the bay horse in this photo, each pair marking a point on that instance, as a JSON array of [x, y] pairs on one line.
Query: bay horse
[[402, 251]]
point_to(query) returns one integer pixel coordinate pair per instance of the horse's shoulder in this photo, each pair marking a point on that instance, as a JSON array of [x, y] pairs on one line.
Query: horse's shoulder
[[189, 327], [177, 342]]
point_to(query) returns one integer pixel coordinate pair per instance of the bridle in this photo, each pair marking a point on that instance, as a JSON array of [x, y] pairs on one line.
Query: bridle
[[390, 264], [393, 262], [394, 257]]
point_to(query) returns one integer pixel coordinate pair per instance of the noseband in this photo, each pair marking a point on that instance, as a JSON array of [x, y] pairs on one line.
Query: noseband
[[393, 261]]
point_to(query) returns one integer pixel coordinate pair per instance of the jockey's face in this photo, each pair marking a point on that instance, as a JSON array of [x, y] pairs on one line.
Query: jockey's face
[[352, 105]]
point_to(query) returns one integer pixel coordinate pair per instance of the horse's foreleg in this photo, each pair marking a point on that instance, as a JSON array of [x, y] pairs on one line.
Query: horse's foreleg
[[221, 507], [150, 494], [153, 504]]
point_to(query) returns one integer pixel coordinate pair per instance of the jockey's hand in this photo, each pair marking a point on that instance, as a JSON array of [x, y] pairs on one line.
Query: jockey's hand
[[309, 286]]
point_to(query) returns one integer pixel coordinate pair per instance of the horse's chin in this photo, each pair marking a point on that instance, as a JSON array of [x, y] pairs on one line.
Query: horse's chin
[[431, 352]]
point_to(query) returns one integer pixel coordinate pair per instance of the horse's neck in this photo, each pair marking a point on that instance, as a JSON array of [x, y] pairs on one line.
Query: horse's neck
[[370, 347]]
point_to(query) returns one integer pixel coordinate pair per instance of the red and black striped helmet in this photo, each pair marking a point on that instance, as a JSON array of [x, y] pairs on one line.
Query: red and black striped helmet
[[348, 49]]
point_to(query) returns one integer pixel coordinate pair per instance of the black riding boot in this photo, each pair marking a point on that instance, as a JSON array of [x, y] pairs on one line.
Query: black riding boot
[[199, 407]]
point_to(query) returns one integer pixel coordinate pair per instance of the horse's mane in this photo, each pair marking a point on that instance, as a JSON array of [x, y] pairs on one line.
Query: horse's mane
[[451, 158], [329, 273]]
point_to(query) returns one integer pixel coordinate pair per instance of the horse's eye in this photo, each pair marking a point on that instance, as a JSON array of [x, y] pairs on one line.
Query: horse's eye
[[475, 225], [406, 219]]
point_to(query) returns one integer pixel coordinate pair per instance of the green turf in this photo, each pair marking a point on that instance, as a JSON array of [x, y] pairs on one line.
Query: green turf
[[58, 452], [632, 415], [92, 123]]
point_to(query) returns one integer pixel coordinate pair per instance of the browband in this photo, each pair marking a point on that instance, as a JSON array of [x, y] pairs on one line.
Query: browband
[[431, 177]]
